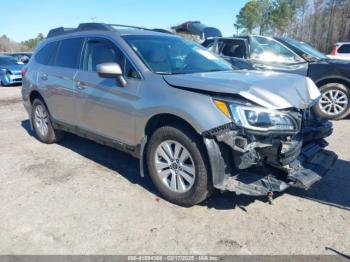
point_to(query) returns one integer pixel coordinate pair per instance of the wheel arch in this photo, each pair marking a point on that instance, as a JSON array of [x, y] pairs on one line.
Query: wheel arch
[[163, 119], [155, 122], [35, 94], [338, 80]]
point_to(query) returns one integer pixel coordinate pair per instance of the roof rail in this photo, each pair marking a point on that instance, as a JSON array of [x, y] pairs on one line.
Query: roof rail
[[97, 26], [81, 27], [59, 31], [159, 30]]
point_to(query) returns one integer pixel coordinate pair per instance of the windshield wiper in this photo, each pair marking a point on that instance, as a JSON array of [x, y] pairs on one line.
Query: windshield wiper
[[216, 70], [164, 73], [194, 72]]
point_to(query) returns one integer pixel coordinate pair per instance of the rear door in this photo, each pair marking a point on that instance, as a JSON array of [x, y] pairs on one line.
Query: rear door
[[104, 107], [56, 78]]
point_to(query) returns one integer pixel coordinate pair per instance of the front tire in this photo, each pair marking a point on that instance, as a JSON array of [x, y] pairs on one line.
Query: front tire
[[42, 125], [2, 84], [178, 165], [334, 103]]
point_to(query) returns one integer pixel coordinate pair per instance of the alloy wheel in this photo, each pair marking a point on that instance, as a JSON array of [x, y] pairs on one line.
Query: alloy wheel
[[175, 166], [41, 120], [333, 102]]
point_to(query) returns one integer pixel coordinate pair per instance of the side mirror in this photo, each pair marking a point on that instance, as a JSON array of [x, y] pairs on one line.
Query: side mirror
[[111, 70]]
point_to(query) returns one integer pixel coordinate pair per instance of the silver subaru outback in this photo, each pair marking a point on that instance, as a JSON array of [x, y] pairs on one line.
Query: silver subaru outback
[[195, 123]]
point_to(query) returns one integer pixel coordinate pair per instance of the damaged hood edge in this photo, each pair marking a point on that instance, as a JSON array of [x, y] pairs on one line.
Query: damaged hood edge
[[268, 89]]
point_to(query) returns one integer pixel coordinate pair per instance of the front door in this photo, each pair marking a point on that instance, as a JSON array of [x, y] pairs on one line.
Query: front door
[[104, 107]]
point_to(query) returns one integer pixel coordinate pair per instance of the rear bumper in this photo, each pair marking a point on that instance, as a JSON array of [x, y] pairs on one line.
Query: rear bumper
[[268, 164]]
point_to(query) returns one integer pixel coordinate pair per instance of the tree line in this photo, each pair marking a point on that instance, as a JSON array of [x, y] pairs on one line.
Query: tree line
[[320, 23], [7, 45]]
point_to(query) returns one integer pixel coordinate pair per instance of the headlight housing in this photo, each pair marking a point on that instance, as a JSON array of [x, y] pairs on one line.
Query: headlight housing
[[262, 119], [258, 118]]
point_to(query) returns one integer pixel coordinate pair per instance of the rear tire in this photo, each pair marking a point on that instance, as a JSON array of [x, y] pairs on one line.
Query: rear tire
[[42, 124], [191, 175], [334, 103]]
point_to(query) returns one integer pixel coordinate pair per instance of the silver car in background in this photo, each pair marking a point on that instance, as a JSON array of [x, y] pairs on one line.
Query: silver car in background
[[194, 123]]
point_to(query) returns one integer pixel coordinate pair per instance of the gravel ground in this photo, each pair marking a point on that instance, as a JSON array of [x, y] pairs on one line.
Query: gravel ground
[[78, 197]]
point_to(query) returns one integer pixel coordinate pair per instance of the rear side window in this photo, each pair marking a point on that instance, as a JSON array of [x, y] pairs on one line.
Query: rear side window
[[344, 49], [45, 53], [68, 54], [234, 49]]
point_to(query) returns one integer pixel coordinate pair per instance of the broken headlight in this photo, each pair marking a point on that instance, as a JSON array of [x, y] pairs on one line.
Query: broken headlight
[[261, 119]]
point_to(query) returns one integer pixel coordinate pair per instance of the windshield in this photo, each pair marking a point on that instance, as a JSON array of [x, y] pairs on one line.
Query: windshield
[[174, 55], [8, 61], [305, 48], [266, 49]]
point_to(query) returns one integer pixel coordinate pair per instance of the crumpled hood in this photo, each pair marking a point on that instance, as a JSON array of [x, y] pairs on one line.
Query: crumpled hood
[[268, 89]]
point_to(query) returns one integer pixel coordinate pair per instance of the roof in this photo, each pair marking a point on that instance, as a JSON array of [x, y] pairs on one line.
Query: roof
[[101, 27]]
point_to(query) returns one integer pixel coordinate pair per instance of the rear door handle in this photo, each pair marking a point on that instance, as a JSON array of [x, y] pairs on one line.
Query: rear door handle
[[44, 77]]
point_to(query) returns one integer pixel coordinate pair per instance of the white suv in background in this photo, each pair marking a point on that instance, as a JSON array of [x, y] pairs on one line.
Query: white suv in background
[[341, 51]]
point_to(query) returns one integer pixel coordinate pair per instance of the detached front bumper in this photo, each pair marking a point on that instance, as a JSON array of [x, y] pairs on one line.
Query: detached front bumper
[[260, 165]]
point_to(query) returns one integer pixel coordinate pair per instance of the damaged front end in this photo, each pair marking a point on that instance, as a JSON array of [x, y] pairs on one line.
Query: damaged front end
[[264, 151]]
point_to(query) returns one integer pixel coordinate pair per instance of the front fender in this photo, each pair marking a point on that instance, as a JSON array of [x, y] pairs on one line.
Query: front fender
[[198, 110]]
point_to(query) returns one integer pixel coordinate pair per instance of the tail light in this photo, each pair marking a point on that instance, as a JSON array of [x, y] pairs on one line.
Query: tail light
[[334, 51], [24, 72]]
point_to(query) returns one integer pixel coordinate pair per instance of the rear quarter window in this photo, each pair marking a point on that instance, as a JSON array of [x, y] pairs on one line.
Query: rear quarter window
[[45, 53], [68, 53], [344, 49]]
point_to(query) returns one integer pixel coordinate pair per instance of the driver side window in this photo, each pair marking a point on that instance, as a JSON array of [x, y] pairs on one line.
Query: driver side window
[[98, 52], [103, 51]]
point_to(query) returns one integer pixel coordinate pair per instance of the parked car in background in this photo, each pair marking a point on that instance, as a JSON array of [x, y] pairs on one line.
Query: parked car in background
[[287, 55], [22, 57], [194, 123], [10, 71], [341, 51], [196, 28]]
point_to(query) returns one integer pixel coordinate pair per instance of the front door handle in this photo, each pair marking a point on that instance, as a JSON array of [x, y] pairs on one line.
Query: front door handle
[[44, 77], [80, 85]]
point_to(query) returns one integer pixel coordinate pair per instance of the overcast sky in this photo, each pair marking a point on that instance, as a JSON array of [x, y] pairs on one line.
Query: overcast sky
[[24, 19]]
